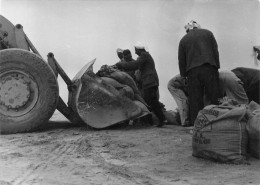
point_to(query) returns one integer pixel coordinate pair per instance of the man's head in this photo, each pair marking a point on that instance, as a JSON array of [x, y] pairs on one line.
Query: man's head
[[119, 53], [139, 48], [191, 25], [127, 55], [257, 51]]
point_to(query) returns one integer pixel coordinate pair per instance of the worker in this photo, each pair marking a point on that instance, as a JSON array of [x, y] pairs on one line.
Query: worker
[[199, 63], [149, 79], [120, 54], [136, 75], [179, 91], [230, 86], [127, 55], [251, 82]]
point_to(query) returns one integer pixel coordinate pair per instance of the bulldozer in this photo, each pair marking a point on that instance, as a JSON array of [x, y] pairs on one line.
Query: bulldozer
[[29, 90]]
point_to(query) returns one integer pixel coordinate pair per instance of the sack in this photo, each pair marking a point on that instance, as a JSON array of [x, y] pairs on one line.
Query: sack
[[220, 134], [144, 109], [172, 117], [124, 78], [253, 129]]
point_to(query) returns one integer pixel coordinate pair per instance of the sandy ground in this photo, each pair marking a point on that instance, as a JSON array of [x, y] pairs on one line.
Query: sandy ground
[[126, 154]]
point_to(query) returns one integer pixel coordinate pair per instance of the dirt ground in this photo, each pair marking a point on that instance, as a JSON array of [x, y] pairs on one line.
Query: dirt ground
[[126, 154]]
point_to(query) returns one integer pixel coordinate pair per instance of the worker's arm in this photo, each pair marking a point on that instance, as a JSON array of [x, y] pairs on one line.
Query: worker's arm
[[133, 65]]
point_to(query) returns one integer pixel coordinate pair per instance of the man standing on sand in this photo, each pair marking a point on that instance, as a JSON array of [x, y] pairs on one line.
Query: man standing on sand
[[149, 79], [199, 63]]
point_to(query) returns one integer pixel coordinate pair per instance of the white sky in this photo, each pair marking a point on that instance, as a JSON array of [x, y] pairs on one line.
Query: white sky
[[77, 31]]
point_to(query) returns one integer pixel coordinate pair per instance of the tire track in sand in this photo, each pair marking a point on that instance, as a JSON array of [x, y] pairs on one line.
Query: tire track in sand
[[57, 154]]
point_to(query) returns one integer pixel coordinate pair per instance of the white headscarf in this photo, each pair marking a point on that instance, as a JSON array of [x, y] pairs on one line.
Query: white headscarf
[[119, 50], [191, 25], [140, 45]]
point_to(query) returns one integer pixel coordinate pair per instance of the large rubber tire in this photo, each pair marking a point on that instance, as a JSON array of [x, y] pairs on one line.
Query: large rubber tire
[[28, 91]]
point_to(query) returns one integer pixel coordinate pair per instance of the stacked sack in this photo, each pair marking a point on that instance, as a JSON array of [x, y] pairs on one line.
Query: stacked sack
[[223, 133], [220, 134], [124, 84], [253, 129]]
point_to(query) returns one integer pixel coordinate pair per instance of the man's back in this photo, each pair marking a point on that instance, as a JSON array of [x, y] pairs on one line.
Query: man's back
[[148, 72], [198, 47], [250, 77]]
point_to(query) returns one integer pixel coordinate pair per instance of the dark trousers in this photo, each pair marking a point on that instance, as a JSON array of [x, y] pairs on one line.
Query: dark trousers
[[254, 94], [150, 96], [202, 80]]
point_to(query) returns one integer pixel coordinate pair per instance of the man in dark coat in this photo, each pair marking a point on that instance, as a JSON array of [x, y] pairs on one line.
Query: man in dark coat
[[149, 80], [251, 82], [199, 63]]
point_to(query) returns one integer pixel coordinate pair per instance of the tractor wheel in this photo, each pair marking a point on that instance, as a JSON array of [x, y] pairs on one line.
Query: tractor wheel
[[28, 91]]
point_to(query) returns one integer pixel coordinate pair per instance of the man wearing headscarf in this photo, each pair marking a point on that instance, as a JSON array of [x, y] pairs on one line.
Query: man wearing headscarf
[[128, 58], [120, 54], [149, 79], [199, 63]]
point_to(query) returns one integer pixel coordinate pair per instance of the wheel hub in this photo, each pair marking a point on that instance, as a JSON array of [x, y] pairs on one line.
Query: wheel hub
[[18, 93], [14, 92]]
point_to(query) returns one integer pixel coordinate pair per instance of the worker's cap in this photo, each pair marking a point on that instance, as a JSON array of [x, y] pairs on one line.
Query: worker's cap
[[191, 25], [119, 50], [140, 45]]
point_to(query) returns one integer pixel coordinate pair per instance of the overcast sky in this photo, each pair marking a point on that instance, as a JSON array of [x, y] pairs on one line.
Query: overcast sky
[[78, 31]]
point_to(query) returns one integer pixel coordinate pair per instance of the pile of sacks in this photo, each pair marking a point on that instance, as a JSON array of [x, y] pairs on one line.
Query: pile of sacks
[[124, 84], [127, 87], [227, 133]]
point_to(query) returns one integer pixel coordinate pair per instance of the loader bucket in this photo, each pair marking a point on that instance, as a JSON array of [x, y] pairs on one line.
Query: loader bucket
[[97, 103]]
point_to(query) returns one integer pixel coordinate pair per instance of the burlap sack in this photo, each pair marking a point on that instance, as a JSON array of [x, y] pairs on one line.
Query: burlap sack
[[172, 117], [220, 134], [253, 129]]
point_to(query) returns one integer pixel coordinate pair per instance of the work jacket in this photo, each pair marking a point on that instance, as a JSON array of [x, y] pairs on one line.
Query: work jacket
[[130, 72], [249, 77], [196, 48], [146, 66]]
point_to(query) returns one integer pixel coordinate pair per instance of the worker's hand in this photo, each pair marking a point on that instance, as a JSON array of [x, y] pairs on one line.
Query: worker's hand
[[113, 66], [72, 87], [119, 65]]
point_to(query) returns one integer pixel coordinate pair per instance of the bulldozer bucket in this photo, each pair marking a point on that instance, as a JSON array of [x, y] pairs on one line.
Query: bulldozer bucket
[[97, 103]]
